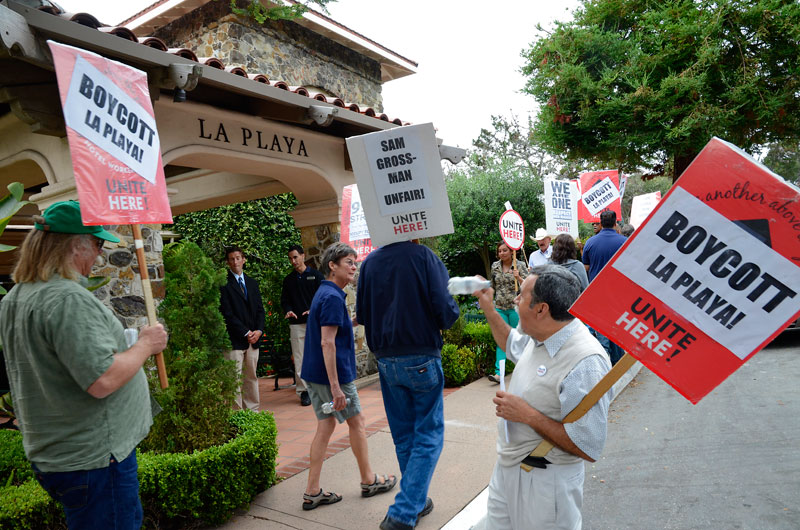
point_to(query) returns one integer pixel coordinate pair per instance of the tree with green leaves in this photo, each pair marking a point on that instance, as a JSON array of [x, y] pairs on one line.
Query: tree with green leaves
[[477, 197], [646, 84], [278, 11], [784, 159]]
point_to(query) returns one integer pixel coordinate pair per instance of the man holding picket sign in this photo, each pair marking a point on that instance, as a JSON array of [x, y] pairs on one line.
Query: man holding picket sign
[[557, 363], [88, 462]]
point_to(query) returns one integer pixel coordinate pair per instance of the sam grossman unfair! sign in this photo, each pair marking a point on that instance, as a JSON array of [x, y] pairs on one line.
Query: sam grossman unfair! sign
[[401, 184], [710, 278]]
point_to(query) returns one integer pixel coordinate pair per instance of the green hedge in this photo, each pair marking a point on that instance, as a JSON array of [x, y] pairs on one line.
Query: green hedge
[[469, 352], [205, 485], [458, 365]]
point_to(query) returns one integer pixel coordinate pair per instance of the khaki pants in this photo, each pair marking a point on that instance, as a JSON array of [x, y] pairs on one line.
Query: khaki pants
[[246, 363], [297, 332], [538, 499]]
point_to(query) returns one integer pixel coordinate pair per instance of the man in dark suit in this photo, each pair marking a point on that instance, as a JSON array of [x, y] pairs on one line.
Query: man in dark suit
[[240, 305]]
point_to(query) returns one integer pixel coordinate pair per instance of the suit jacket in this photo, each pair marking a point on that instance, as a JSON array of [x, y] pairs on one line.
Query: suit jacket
[[241, 314]]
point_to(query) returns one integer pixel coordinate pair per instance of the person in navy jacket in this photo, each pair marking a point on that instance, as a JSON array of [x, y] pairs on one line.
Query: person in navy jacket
[[241, 307]]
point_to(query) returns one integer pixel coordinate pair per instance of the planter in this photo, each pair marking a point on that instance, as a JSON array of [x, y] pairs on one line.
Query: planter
[[176, 489]]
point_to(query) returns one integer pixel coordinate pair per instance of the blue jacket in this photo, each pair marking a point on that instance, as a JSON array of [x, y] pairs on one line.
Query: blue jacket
[[403, 302]]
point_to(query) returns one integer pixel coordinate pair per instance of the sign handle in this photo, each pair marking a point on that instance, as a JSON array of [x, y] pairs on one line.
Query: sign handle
[[514, 266], [148, 299], [588, 401]]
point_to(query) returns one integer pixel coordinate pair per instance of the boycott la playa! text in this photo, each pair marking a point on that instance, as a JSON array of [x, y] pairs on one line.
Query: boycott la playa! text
[[726, 263]]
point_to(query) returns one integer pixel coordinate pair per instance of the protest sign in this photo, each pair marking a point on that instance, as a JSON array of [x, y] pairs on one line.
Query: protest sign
[[399, 176], [512, 229], [709, 279], [599, 190], [642, 205], [354, 224], [115, 150], [113, 139], [561, 207]]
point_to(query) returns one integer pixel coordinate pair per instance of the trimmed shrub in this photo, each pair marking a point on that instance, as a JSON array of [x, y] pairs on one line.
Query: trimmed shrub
[[478, 335], [208, 485], [455, 335], [458, 364], [177, 490], [202, 384]]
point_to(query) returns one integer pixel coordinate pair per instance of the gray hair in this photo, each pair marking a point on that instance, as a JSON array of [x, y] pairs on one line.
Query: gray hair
[[627, 229], [334, 253], [557, 287]]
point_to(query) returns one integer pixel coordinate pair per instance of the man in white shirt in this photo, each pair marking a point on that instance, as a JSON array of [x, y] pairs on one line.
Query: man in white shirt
[[541, 256]]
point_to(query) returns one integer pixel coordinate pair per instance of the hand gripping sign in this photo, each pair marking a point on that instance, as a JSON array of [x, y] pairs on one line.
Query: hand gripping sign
[[116, 157], [709, 279]]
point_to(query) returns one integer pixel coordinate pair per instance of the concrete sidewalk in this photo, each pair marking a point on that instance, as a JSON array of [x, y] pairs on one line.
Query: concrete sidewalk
[[461, 476]]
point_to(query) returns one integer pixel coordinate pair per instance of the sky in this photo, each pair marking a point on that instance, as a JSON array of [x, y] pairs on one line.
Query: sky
[[468, 54]]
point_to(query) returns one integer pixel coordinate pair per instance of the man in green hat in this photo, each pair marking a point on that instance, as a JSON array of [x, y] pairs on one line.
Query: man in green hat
[[80, 393]]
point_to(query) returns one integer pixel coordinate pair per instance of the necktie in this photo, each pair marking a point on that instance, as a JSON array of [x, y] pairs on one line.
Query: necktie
[[242, 287]]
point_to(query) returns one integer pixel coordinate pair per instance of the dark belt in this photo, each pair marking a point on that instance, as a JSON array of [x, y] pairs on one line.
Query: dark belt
[[536, 461]]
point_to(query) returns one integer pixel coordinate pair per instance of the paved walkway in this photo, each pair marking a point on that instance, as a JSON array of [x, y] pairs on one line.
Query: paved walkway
[[458, 488], [296, 424]]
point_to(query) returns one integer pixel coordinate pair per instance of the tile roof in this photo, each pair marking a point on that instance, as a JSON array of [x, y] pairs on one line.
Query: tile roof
[[90, 21]]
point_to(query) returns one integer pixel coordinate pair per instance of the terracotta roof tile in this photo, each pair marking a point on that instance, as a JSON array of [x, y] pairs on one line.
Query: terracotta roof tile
[[154, 42], [89, 20]]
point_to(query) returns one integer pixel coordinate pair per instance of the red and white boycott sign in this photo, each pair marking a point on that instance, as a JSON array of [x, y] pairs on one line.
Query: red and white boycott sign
[[113, 139], [512, 229], [710, 278], [599, 190]]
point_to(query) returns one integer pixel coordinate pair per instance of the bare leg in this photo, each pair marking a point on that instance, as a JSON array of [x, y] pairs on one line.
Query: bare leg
[[358, 442], [319, 445]]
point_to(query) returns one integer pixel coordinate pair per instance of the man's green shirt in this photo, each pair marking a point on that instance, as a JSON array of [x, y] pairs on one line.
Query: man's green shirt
[[58, 339]]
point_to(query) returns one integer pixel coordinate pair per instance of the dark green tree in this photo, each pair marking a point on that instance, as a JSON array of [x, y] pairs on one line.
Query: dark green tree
[[202, 384], [275, 11], [477, 197], [784, 159], [646, 83]]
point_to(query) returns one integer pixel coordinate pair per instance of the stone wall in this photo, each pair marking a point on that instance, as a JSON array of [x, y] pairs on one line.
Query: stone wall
[[123, 293], [281, 50]]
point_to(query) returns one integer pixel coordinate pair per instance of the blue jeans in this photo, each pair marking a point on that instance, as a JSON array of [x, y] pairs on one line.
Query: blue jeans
[[412, 396], [615, 353], [511, 317], [105, 498]]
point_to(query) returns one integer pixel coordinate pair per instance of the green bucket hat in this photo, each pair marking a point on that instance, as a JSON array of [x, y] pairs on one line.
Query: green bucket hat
[[65, 218]]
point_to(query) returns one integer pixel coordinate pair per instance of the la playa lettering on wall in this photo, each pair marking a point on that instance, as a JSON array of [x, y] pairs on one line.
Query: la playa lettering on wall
[[254, 138]]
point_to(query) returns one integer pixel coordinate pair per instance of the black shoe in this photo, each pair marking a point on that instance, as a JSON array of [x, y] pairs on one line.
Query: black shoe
[[391, 524], [494, 378], [304, 399], [426, 510]]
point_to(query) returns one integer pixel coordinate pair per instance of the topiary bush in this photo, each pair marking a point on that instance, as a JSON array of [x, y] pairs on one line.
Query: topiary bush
[[202, 384], [478, 337], [180, 488], [458, 365], [177, 490]]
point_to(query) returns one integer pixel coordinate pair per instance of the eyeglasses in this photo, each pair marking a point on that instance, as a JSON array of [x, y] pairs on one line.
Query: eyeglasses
[[349, 263], [98, 243]]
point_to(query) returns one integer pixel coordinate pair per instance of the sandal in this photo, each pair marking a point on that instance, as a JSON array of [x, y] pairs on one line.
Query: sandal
[[312, 501], [368, 490]]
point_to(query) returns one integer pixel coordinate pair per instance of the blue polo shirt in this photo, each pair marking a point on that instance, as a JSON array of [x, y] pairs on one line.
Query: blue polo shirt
[[328, 308], [600, 248]]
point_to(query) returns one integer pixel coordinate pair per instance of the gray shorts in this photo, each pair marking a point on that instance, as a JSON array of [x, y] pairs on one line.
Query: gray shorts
[[320, 394]]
